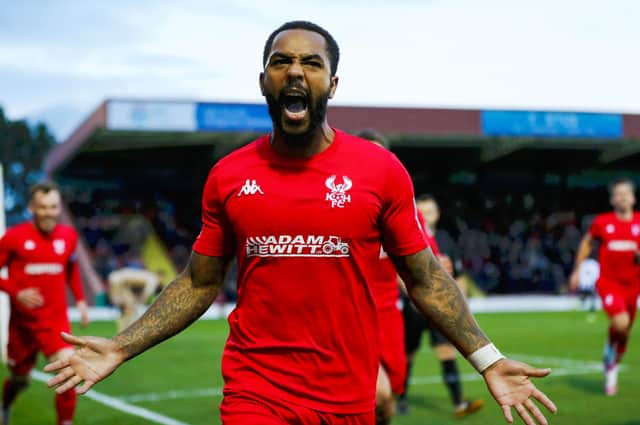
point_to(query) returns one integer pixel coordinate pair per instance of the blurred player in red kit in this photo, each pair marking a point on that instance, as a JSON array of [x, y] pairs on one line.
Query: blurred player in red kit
[[305, 210], [618, 233], [40, 256], [384, 285]]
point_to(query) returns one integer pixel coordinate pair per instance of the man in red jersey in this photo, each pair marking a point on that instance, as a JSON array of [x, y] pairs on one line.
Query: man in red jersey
[[40, 259], [305, 209], [384, 284], [619, 283]]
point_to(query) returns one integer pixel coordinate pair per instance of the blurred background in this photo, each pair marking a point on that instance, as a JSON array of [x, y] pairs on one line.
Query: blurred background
[[514, 115]]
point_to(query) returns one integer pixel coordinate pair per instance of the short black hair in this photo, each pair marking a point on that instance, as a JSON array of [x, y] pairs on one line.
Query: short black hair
[[374, 136], [619, 181], [332, 46], [44, 187], [424, 197]]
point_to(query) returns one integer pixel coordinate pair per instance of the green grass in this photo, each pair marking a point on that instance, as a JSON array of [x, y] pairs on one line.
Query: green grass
[[192, 361]]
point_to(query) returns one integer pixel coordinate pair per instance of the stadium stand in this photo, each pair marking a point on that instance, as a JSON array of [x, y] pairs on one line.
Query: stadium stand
[[516, 188]]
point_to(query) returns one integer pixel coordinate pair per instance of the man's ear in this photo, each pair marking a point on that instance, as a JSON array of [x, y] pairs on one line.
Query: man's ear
[[333, 87], [261, 82]]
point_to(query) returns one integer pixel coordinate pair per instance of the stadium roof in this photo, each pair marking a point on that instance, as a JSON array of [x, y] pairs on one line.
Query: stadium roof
[[489, 136]]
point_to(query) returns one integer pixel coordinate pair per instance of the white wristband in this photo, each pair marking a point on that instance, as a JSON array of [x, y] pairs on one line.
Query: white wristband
[[484, 357]]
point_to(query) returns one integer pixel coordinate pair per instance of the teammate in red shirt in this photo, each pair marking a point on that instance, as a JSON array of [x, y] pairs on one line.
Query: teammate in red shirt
[[305, 210], [618, 233], [384, 285], [40, 259]]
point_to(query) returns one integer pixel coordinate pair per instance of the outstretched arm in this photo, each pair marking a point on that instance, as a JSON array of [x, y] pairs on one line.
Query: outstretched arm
[[180, 304], [436, 294]]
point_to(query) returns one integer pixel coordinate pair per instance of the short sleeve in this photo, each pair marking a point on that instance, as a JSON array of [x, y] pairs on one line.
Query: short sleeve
[[595, 230], [401, 230], [216, 236], [6, 248], [6, 251]]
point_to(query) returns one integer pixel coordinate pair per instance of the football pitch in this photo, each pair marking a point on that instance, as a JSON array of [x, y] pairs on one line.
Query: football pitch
[[179, 382]]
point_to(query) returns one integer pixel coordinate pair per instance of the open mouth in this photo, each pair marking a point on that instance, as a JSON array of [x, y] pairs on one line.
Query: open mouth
[[295, 106]]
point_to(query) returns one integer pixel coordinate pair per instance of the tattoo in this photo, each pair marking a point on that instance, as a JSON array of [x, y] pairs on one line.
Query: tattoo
[[436, 294], [180, 304]]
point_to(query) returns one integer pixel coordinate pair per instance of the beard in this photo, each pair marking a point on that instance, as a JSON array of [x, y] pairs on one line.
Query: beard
[[317, 115]]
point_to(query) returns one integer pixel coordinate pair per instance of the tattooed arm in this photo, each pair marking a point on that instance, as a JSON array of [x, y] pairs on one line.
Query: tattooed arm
[[437, 296], [180, 304]]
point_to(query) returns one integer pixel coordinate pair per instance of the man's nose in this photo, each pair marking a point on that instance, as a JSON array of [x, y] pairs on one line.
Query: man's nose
[[295, 71]]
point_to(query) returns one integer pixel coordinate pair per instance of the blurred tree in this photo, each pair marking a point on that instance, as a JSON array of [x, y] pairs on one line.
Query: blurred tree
[[22, 150]]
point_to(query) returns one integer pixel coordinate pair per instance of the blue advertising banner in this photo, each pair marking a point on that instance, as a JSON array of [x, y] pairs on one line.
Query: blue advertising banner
[[552, 124], [150, 115], [232, 117]]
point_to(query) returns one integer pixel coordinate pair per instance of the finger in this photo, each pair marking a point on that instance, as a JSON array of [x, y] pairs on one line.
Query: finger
[[71, 383], [61, 377], [57, 365], [533, 409], [546, 401], [86, 386], [71, 339], [30, 304], [524, 415], [506, 410], [535, 372]]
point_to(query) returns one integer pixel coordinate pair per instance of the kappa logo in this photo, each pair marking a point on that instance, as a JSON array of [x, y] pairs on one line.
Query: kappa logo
[[635, 230], [59, 246], [610, 228], [338, 196], [29, 245], [250, 187]]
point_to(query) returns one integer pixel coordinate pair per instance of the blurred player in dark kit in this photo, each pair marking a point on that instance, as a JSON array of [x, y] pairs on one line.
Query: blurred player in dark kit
[[416, 325]]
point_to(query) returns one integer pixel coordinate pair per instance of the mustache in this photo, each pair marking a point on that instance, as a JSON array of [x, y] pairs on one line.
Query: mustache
[[295, 88]]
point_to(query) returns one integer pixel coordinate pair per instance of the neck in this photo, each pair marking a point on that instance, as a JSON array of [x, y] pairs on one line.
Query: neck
[[42, 231], [316, 142], [624, 214]]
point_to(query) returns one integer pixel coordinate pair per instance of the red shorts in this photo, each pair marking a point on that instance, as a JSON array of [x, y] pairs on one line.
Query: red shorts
[[393, 356], [24, 345], [252, 409], [618, 298]]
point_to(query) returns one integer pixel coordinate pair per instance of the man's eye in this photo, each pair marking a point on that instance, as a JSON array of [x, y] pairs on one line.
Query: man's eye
[[315, 64]]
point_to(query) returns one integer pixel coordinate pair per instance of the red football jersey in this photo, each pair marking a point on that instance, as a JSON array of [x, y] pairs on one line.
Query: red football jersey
[[619, 241], [43, 261], [306, 232]]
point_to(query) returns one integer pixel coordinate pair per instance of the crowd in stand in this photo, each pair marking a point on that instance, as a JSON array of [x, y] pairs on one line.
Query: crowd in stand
[[115, 231], [505, 244], [511, 244]]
